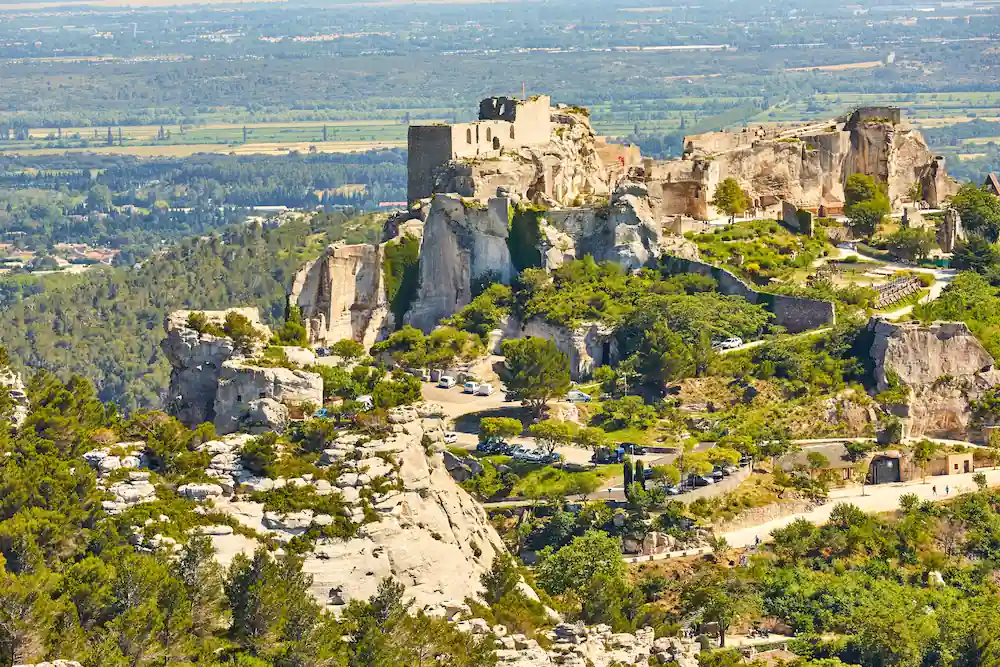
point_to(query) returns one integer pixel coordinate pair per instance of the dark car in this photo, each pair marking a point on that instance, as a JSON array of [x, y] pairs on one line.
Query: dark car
[[493, 446], [605, 455], [633, 449], [700, 480]]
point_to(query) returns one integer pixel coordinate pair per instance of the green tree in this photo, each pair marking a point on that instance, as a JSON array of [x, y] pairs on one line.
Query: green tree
[[244, 334], [538, 370], [574, 566], [975, 254], [859, 188], [722, 596], [347, 349], [99, 198], [912, 243], [591, 437], [552, 433], [817, 461], [501, 580], [979, 210], [663, 357], [730, 198], [260, 454], [864, 217], [499, 427]]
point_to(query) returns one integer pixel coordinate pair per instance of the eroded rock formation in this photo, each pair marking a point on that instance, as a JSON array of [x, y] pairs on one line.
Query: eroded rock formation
[[462, 241], [418, 525], [212, 381], [342, 295], [10, 381], [807, 165], [944, 366]]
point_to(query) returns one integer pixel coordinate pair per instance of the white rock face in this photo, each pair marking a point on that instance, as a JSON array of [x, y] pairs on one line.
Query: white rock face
[[431, 536], [944, 366], [211, 381], [54, 663], [461, 242], [342, 295], [582, 646], [12, 383]]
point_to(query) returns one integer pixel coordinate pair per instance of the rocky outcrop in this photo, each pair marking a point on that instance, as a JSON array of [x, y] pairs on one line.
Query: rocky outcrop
[[12, 383], [587, 346], [944, 367], [806, 165], [211, 380], [255, 399], [574, 168], [582, 646], [626, 232], [54, 663], [462, 241], [342, 295], [416, 524]]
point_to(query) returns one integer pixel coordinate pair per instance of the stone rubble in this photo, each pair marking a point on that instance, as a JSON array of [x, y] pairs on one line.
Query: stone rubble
[[577, 645]]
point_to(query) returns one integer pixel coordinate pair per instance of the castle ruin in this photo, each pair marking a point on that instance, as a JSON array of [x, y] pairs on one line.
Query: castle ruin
[[505, 123]]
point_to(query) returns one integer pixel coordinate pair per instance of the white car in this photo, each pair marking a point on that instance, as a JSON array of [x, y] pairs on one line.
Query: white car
[[450, 438], [729, 344], [485, 389], [447, 382], [470, 387], [577, 396]]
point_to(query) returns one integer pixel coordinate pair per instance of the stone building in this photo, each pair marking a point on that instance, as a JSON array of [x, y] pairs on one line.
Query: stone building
[[504, 123]]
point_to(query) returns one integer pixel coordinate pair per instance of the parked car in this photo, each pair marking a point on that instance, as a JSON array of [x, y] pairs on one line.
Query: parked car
[[450, 438], [493, 446], [647, 473], [470, 387], [728, 344], [321, 413], [447, 382], [554, 457], [322, 352], [633, 449], [577, 396], [700, 480], [671, 490], [484, 389], [605, 455], [717, 475]]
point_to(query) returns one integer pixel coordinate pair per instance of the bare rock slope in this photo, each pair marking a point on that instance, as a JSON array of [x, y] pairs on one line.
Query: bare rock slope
[[212, 381], [944, 367]]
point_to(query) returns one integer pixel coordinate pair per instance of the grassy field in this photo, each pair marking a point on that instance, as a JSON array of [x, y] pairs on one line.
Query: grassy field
[[184, 150]]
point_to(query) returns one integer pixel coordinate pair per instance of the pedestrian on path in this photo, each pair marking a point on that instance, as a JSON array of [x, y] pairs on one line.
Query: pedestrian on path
[[947, 490], [934, 489]]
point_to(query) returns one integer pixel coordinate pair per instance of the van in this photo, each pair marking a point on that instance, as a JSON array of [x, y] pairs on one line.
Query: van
[[470, 387], [446, 382], [485, 389]]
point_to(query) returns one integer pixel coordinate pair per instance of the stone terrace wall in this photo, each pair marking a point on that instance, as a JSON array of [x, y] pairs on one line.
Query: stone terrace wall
[[794, 313]]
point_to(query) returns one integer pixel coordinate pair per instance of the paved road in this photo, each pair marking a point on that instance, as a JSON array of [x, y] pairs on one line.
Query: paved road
[[881, 498]]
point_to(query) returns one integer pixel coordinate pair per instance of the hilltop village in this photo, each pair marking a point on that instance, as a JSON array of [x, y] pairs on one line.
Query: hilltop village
[[576, 407]]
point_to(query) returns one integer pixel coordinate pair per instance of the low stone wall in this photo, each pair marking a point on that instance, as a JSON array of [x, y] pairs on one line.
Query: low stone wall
[[795, 314], [720, 488], [756, 516]]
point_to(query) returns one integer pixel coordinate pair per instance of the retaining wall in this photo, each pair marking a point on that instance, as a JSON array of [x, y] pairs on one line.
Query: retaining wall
[[794, 313]]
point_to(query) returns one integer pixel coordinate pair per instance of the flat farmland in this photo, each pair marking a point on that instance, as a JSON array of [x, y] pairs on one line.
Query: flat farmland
[[184, 150]]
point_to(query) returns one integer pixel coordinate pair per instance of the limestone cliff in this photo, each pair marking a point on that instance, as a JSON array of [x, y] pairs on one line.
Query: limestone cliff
[[806, 165], [944, 366], [462, 241], [418, 525], [342, 295], [10, 381], [212, 381]]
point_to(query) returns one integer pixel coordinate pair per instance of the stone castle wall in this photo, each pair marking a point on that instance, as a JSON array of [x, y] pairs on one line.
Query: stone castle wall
[[794, 313]]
